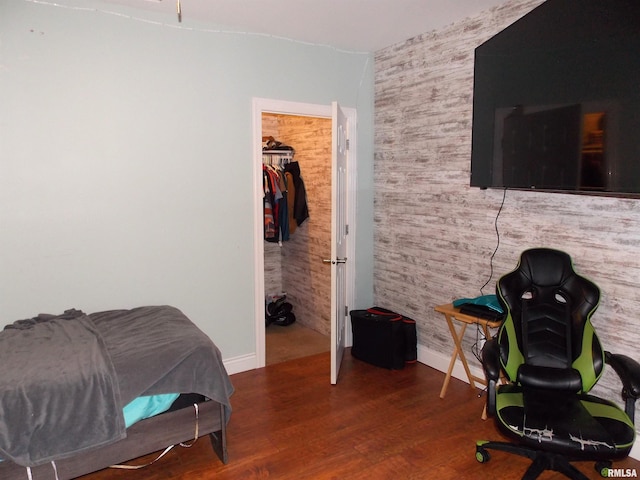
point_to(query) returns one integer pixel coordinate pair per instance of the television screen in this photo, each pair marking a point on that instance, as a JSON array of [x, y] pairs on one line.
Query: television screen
[[557, 100]]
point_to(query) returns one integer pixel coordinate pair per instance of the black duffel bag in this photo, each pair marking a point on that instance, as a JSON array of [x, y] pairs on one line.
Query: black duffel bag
[[383, 338]]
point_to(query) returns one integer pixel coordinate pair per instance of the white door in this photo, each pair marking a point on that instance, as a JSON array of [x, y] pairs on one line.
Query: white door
[[338, 238]]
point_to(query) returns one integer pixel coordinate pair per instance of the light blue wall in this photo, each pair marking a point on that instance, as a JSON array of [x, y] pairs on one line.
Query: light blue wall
[[125, 160]]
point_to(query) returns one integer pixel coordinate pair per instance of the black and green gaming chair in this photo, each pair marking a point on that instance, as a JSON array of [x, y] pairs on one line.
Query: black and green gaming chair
[[549, 357]]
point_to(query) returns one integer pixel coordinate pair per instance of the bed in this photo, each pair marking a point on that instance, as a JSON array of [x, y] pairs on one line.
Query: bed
[[67, 380]]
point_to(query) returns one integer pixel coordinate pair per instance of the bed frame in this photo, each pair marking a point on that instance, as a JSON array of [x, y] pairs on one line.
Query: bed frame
[[144, 437]]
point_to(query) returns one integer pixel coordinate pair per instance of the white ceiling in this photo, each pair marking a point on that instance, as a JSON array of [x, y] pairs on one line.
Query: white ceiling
[[353, 25]]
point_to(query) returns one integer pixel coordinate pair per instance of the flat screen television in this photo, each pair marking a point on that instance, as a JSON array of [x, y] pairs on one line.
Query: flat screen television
[[556, 103]]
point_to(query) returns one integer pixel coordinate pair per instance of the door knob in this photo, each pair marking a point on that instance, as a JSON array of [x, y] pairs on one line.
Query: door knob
[[337, 260]]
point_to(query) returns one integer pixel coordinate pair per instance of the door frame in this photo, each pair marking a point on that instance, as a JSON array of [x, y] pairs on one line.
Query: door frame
[[283, 107]]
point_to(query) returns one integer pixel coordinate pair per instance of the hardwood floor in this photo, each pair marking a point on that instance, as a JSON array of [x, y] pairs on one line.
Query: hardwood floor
[[293, 341], [290, 423]]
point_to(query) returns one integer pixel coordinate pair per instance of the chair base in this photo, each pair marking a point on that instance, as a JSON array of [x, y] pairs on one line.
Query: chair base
[[541, 460]]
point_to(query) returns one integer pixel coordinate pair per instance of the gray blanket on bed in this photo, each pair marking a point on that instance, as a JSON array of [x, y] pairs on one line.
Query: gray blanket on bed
[[65, 379]]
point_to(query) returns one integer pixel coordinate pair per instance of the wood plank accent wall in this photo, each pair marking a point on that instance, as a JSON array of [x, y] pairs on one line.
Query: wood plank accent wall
[[298, 263], [435, 236]]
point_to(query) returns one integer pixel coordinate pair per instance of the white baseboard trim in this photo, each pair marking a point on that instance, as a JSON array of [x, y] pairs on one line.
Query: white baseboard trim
[[440, 362], [241, 363], [635, 451]]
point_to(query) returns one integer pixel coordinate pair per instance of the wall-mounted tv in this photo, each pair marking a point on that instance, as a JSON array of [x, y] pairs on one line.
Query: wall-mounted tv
[[557, 100]]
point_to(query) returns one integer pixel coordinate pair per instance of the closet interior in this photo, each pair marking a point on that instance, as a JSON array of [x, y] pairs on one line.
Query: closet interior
[[293, 264]]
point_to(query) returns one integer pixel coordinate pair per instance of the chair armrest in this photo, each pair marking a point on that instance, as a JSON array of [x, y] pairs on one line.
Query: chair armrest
[[629, 372], [491, 359], [491, 366]]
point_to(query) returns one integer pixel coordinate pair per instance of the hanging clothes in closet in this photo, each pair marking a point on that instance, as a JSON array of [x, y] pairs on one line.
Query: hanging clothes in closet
[[300, 212], [276, 209], [285, 202]]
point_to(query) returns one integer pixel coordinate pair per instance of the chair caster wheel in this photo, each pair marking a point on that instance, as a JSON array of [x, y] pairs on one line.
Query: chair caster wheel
[[603, 468], [482, 455]]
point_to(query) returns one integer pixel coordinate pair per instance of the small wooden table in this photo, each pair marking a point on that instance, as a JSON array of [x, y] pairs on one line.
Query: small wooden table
[[452, 313]]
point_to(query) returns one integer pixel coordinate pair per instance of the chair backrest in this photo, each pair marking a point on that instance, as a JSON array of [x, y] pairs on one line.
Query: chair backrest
[[547, 325]]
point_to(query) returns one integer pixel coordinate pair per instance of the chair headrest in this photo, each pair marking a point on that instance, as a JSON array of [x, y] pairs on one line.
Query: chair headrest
[[546, 267]]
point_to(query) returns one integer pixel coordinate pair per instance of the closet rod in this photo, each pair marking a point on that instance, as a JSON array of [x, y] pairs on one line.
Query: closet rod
[[282, 153], [269, 157]]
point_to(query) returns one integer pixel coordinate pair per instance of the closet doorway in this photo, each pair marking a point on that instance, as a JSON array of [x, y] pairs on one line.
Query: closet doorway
[[295, 266], [292, 265]]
